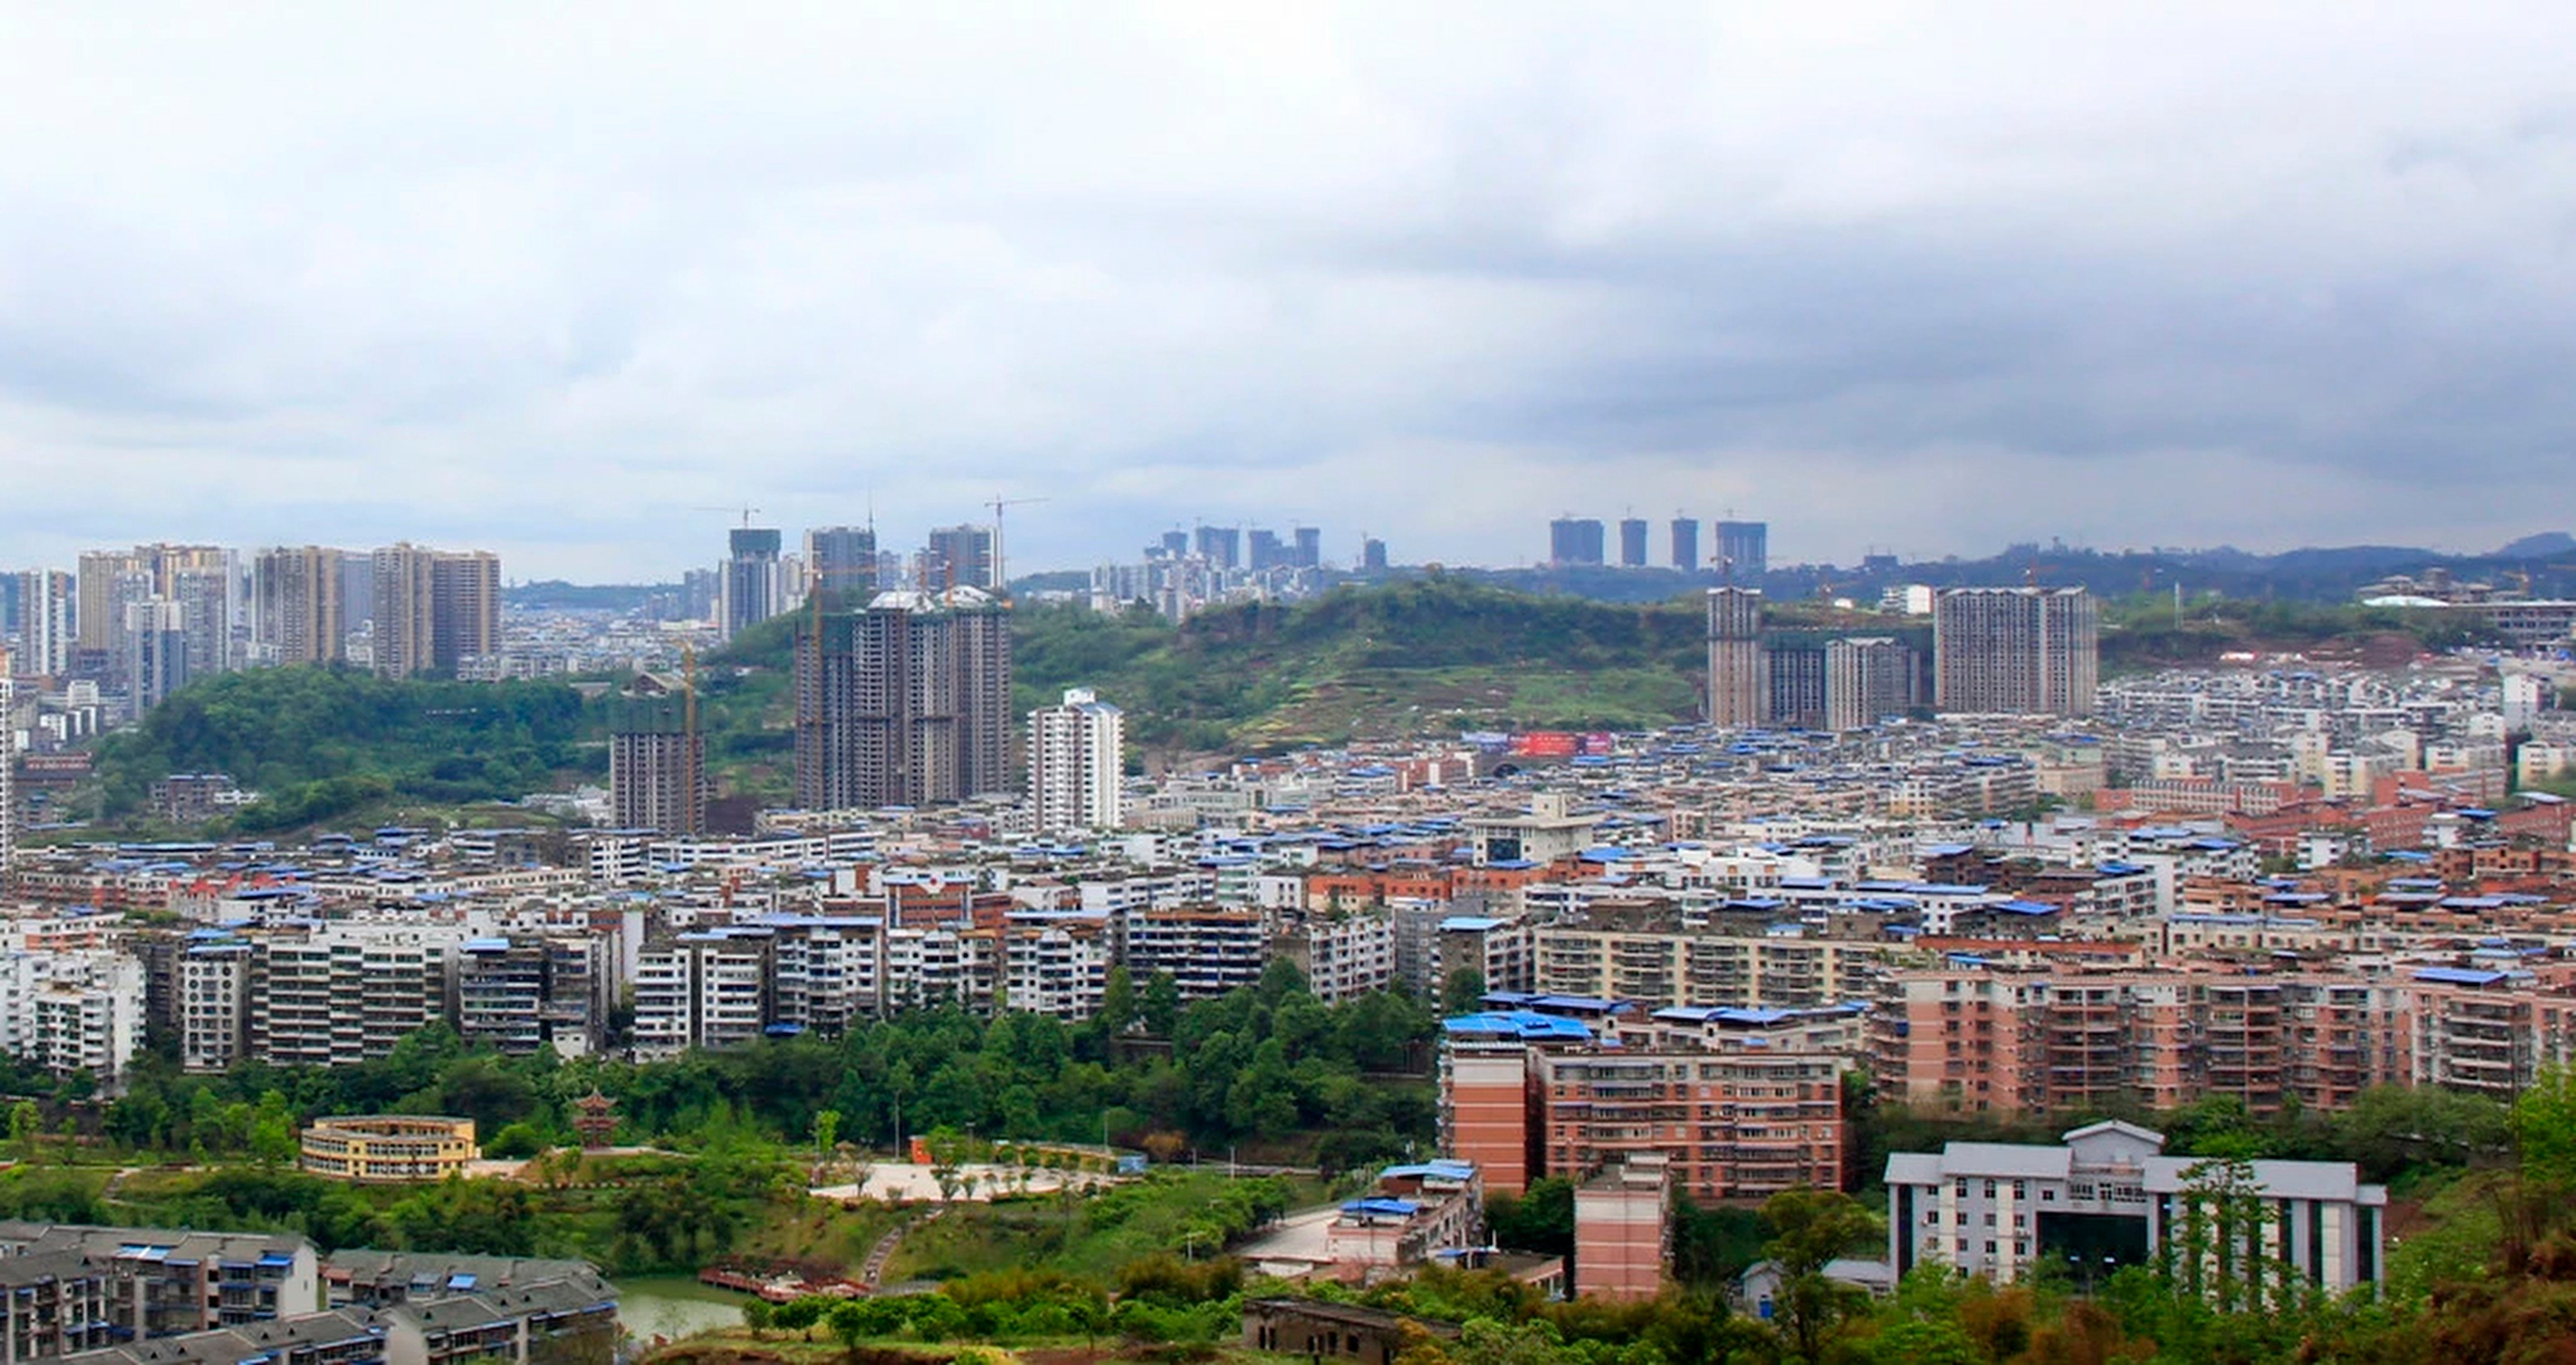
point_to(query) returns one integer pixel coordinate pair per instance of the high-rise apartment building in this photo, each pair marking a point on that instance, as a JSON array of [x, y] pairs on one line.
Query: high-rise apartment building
[[1574, 540], [842, 561], [2019, 651], [1372, 555], [1686, 544], [905, 703], [1632, 542], [753, 589], [110, 580], [1739, 688], [958, 557], [204, 595], [45, 624], [1076, 758], [1268, 550], [1221, 546], [1743, 548], [465, 613], [156, 652], [657, 760], [1868, 679], [8, 762], [297, 615], [434, 608], [1310, 547]]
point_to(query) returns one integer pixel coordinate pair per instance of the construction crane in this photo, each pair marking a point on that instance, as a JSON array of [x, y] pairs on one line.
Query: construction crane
[[1001, 580], [747, 510]]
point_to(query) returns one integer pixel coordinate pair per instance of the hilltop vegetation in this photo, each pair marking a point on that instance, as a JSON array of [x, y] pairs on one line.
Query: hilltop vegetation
[[1429, 654], [321, 741]]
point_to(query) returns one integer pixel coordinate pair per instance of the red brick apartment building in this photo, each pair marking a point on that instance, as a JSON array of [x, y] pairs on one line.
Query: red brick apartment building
[[1525, 1096]]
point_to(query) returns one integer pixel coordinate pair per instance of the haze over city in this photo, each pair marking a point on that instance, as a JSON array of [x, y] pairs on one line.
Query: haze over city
[[1895, 276]]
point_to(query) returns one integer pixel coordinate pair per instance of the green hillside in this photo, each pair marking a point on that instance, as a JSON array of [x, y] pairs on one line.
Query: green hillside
[[1428, 655], [320, 742]]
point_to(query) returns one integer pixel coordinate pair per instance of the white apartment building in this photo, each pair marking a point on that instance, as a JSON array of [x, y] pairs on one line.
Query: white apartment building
[[1343, 956], [1056, 962], [1077, 755], [707, 989], [1207, 951], [72, 1011]]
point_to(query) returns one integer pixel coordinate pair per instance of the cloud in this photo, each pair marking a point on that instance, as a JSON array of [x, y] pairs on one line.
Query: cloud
[[1928, 276]]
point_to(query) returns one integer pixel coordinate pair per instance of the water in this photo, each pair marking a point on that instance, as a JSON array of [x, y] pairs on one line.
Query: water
[[675, 1306]]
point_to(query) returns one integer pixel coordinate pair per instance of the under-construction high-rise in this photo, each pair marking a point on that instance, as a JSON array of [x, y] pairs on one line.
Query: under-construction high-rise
[[657, 757], [906, 703]]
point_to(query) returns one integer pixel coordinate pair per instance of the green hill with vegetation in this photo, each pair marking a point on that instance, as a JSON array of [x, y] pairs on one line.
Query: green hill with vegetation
[[319, 742]]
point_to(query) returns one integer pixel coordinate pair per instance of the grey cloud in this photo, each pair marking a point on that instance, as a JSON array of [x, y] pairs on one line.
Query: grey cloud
[[2172, 274]]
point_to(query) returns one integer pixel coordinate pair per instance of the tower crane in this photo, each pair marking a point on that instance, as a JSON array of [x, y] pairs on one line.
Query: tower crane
[[747, 510], [1001, 580]]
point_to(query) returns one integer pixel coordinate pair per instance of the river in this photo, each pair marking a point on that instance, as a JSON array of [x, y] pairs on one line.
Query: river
[[675, 1306]]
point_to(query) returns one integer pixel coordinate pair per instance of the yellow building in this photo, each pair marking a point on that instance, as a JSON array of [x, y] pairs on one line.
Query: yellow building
[[389, 1147]]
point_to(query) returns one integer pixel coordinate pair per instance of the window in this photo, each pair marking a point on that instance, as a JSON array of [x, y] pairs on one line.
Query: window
[[2048, 1196], [1990, 1189]]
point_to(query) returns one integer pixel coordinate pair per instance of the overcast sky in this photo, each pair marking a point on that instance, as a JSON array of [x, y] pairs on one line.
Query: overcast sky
[[1924, 277]]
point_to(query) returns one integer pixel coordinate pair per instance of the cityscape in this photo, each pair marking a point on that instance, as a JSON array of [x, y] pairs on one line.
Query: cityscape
[[931, 685]]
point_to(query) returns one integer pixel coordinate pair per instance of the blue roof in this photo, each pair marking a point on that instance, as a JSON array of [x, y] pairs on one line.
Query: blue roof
[[1520, 1023], [2460, 976]]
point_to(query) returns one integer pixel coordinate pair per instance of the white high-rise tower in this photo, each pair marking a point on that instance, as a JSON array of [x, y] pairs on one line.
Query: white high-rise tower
[[1077, 754]]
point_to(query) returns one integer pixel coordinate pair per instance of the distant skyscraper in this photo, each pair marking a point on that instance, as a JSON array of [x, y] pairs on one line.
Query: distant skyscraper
[[1574, 540], [843, 562], [1739, 692], [1221, 546], [205, 598], [465, 607], [905, 703], [8, 759], [297, 615], [2025, 651], [1686, 544], [1267, 551], [958, 557], [1076, 758], [156, 652], [1175, 544], [1372, 555], [45, 625], [1632, 543], [110, 581], [1310, 547], [434, 608], [753, 590], [657, 768], [1743, 549]]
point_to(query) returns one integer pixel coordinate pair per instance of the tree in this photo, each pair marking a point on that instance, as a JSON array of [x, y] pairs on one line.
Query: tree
[[1117, 1004], [827, 1130], [1810, 1228], [1463, 992], [1162, 1004], [1541, 1219], [2543, 1124], [25, 1122]]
